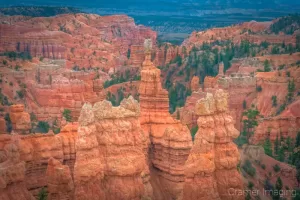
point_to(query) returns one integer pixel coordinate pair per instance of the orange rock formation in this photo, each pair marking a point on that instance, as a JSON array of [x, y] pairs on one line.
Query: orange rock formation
[[211, 166], [19, 118], [85, 40], [170, 140], [59, 181], [110, 159]]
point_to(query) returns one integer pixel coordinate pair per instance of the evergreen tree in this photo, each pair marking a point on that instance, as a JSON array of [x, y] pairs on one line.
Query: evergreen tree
[[67, 115], [42, 195], [297, 143], [268, 147], [281, 154], [278, 187], [250, 122], [267, 67], [276, 145]]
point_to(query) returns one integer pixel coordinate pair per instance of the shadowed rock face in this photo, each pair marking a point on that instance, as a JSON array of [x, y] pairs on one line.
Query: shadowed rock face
[[210, 170]]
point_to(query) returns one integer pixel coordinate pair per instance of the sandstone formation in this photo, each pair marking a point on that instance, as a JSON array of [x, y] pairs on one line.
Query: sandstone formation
[[19, 118], [195, 85], [110, 159], [170, 140], [240, 88], [221, 69], [210, 82], [166, 53], [275, 127], [237, 33], [85, 40], [59, 181], [12, 171], [2, 125], [211, 166], [36, 150]]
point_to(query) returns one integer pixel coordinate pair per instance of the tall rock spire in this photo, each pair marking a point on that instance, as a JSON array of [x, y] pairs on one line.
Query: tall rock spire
[[170, 140]]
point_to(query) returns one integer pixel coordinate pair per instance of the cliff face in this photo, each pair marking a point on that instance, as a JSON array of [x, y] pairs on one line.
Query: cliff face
[[211, 166], [19, 118], [166, 53], [240, 88], [34, 152], [12, 168], [112, 140], [59, 181], [237, 33], [275, 127], [85, 40], [170, 140]]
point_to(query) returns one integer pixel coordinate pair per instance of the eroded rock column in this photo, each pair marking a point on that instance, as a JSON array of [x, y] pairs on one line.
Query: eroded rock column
[[110, 160], [211, 168]]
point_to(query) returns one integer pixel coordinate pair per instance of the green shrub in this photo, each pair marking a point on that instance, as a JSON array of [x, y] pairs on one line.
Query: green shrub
[[258, 88], [276, 168], [43, 126], [263, 166], [250, 185], [42, 195], [67, 115], [193, 132], [248, 168], [20, 94]]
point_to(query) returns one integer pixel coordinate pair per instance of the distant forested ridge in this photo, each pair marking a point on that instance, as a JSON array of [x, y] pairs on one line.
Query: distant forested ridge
[[38, 11]]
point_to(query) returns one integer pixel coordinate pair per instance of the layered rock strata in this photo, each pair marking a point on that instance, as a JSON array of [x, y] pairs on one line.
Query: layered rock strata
[[12, 171], [36, 150], [19, 118], [110, 157], [170, 140], [59, 181], [211, 166]]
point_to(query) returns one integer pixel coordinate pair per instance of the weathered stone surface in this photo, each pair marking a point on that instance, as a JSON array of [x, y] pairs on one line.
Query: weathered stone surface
[[19, 118], [110, 159], [195, 85], [170, 140], [12, 171], [2, 125], [211, 166], [85, 40], [36, 150], [59, 181]]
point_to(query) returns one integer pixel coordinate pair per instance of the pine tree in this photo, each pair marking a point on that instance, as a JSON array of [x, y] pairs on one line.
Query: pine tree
[[297, 143], [281, 154], [278, 187], [276, 145], [268, 147]]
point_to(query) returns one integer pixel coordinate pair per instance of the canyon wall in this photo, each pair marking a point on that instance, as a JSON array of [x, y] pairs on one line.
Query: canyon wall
[[85, 40]]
